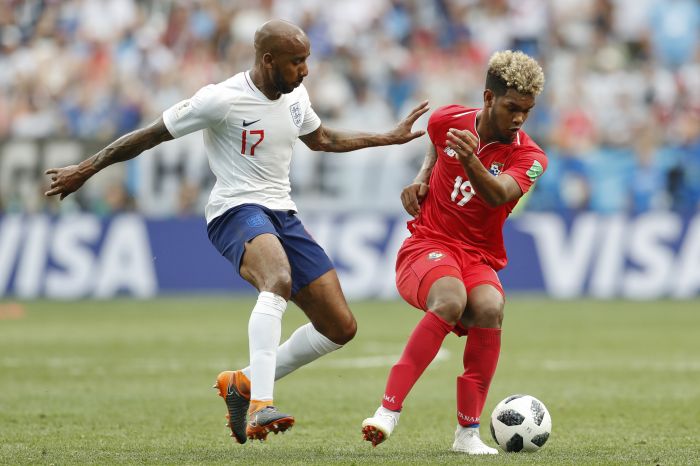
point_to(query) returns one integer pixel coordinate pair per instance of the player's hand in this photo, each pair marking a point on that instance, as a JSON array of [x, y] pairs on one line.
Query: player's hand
[[412, 196], [463, 142], [402, 133], [65, 180]]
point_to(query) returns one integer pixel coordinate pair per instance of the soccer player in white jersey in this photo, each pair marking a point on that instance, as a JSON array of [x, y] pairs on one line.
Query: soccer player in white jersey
[[251, 122]]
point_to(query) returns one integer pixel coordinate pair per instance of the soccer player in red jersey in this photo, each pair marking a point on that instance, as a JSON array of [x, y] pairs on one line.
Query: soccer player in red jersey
[[479, 165]]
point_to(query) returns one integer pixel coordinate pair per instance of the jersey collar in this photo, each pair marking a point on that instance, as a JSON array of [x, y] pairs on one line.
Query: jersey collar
[[253, 88]]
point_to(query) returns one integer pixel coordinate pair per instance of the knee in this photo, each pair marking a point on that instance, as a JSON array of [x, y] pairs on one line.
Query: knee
[[450, 309], [342, 334], [447, 299], [489, 315], [278, 282]]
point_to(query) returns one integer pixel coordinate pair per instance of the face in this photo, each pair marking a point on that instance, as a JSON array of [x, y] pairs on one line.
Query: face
[[288, 68], [507, 113]]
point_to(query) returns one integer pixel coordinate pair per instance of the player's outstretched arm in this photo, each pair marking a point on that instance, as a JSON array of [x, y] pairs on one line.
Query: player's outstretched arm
[[494, 190], [67, 180], [330, 140], [413, 194]]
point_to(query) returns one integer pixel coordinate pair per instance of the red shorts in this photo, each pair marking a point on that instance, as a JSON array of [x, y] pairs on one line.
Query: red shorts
[[421, 262]]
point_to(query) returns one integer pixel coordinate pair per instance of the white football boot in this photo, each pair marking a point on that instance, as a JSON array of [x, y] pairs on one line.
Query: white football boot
[[468, 440], [379, 427]]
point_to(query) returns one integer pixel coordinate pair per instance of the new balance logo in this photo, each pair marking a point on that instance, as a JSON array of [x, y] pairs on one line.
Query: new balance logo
[[248, 123]]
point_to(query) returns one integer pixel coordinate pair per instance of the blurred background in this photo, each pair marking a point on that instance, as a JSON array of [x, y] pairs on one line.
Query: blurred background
[[615, 215]]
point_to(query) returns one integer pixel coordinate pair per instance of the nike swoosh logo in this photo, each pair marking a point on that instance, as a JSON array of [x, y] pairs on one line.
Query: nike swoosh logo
[[230, 390], [248, 123]]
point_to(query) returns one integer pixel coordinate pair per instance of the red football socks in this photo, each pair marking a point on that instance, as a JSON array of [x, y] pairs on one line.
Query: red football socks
[[480, 361], [420, 350]]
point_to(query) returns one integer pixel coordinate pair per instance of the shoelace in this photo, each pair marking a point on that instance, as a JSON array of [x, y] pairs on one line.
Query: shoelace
[[469, 433], [389, 417]]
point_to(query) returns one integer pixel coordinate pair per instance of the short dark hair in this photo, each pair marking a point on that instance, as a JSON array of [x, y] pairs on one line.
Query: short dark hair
[[496, 84]]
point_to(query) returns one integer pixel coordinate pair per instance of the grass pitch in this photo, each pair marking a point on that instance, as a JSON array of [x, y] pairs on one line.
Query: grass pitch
[[128, 382]]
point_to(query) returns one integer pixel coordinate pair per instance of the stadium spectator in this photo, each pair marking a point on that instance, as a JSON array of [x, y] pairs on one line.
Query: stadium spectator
[[87, 69]]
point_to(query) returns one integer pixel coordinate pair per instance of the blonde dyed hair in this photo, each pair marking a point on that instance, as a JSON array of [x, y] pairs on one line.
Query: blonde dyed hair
[[517, 71]]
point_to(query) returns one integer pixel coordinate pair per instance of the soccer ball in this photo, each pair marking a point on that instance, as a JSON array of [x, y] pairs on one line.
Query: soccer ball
[[520, 423]]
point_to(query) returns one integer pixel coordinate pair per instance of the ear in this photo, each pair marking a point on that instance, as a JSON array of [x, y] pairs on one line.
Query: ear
[[489, 96], [267, 60]]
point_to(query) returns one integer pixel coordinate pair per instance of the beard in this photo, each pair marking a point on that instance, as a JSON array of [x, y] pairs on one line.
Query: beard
[[280, 84], [505, 137]]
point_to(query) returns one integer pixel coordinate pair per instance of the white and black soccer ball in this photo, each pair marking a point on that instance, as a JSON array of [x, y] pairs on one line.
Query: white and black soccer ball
[[520, 423]]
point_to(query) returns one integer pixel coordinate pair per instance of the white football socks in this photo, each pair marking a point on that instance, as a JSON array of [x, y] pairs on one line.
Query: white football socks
[[264, 332], [306, 344]]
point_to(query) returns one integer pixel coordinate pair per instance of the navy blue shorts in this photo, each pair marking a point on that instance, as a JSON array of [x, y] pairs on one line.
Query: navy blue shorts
[[230, 231]]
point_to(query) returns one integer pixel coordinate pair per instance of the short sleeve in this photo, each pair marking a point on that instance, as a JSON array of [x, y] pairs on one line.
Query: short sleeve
[[311, 120], [528, 167], [434, 121], [437, 122], [207, 108]]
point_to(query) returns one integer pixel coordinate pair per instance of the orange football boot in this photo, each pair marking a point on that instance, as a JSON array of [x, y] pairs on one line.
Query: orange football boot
[[265, 418], [234, 388]]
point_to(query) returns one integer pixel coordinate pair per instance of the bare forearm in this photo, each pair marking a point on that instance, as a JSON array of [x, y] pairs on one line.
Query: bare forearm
[[426, 169], [331, 140], [67, 180], [485, 184], [127, 147]]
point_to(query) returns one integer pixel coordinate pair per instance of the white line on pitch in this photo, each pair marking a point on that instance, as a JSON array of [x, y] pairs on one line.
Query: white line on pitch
[[377, 361]]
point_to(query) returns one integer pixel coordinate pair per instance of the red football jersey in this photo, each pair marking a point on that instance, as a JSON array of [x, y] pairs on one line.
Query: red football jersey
[[452, 211]]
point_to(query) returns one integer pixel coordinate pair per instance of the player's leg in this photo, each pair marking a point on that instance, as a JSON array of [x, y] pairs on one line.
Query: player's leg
[[316, 290], [428, 280], [265, 266], [247, 236], [331, 325], [444, 306], [483, 322]]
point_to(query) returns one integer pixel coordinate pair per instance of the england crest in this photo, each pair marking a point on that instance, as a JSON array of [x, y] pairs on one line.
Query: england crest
[[297, 117]]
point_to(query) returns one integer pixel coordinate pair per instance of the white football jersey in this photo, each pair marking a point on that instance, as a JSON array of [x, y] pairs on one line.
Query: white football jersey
[[248, 139]]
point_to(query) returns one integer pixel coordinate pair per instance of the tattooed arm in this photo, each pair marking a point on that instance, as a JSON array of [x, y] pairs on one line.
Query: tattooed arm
[[67, 180], [330, 140]]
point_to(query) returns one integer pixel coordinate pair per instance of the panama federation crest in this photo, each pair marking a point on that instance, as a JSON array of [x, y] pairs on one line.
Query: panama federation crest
[[496, 168], [295, 110]]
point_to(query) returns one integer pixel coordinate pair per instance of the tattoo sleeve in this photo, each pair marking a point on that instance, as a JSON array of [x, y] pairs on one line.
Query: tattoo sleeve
[[331, 140], [128, 146]]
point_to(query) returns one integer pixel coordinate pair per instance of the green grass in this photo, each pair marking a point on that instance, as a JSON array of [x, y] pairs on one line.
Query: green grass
[[128, 382]]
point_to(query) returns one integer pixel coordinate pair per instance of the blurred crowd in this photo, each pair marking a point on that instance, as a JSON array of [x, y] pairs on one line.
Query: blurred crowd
[[619, 118]]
